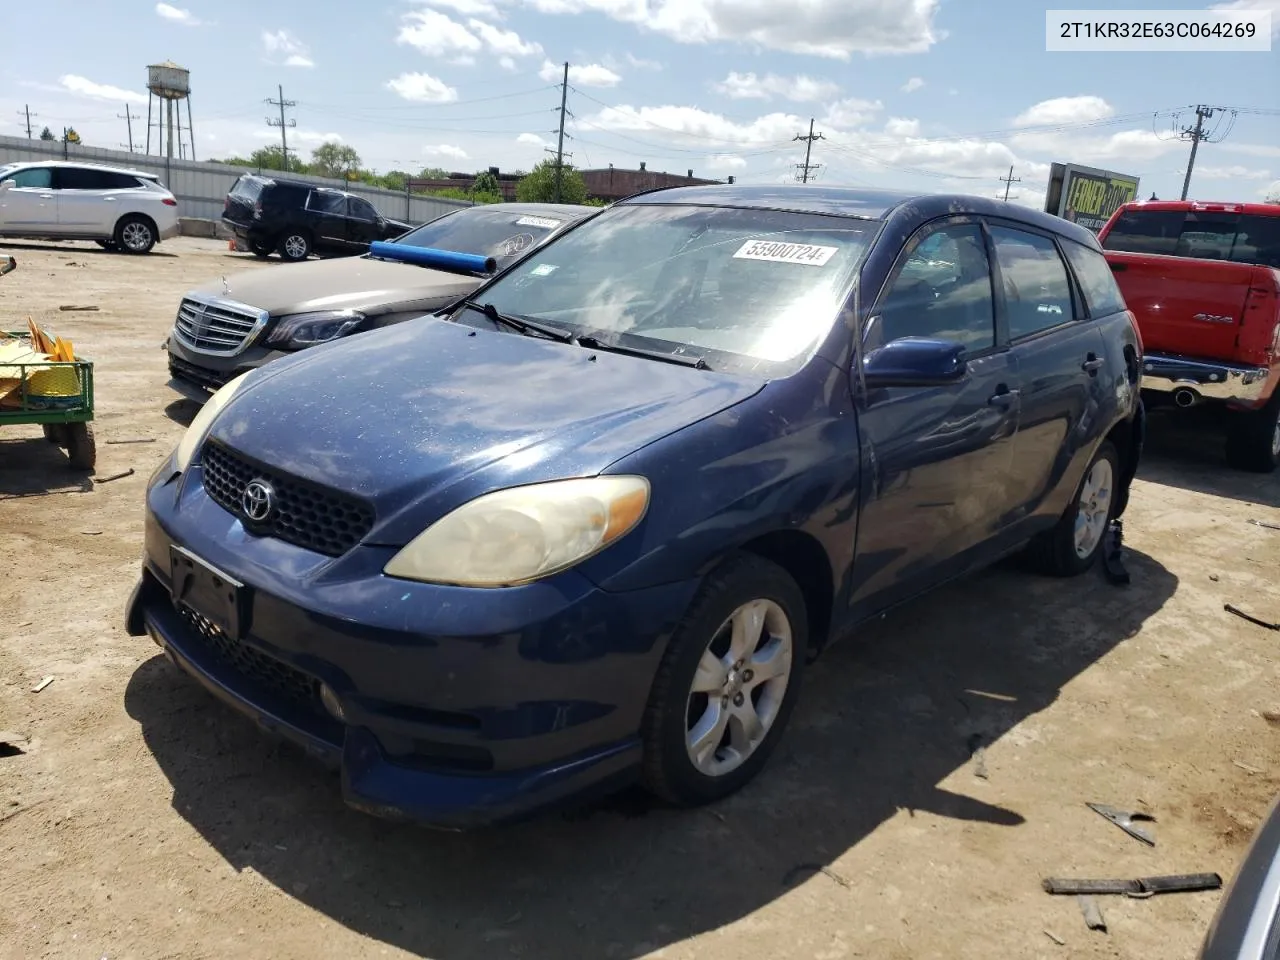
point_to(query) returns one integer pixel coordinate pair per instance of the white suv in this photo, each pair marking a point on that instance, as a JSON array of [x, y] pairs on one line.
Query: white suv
[[121, 209]]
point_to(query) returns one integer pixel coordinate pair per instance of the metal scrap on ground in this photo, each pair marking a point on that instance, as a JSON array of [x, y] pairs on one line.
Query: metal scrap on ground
[[1127, 820]]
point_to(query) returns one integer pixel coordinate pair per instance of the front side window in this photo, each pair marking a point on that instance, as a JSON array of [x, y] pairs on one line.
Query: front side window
[[359, 209], [1036, 289], [38, 178], [487, 231], [1101, 293], [942, 291], [752, 291]]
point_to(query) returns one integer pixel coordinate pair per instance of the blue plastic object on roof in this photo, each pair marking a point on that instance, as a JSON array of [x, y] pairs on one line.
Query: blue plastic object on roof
[[430, 257]]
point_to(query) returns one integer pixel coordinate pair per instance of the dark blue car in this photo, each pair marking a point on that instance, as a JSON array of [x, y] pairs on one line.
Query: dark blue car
[[588, 526]]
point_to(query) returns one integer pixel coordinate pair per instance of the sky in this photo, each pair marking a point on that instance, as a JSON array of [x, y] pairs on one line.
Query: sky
[[934, 95]]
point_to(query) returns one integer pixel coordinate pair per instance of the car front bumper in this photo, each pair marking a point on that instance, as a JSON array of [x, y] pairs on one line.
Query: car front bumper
[[1208, 380], [455, 708], [197, 375]]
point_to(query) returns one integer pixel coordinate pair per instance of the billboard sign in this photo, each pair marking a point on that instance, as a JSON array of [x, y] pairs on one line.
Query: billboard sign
[[1086, 195]]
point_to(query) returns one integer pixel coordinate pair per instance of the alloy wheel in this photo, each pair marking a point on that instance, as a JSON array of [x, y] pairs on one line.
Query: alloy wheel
[[1094, 509], [136, 236]]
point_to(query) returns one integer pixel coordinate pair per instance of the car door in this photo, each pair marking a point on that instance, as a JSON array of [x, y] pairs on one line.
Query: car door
[[935, 459], [30, 204], [362, 223], [327, 212], [86, 204], [1058, 353]]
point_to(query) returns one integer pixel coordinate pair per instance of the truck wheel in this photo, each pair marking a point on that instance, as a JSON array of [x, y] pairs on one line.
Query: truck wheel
[[1253, 442], [295, 245], [1074, 545], [727, 683], [81, 449]]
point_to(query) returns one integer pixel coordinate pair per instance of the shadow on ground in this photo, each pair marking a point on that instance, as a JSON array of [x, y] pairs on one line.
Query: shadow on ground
[[882, 721], [71, 246], [1185, 448], [34, 467]]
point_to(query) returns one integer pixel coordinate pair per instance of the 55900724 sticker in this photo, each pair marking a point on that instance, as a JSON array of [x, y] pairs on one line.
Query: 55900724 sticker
[[545, 223], [774, 251]]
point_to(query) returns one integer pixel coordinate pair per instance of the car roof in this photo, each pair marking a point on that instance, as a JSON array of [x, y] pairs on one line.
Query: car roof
[[858, 202], [83, 166]]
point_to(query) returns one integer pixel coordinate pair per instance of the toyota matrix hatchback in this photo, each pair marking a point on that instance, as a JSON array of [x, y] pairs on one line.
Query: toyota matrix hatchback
[[587, 526]]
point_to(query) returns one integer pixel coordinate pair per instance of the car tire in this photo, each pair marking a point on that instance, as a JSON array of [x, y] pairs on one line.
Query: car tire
[[1253, 439], [699, 744], [135, 235], [294, 245], [1079, 538], [82, 450], [261, 248]]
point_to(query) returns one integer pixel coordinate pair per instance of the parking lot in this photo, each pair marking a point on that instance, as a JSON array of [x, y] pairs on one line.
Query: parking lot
[[141, 819]]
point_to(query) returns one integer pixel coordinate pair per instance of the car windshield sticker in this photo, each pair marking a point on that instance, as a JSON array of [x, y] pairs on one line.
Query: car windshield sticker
[[544, 223], [513, 245], [776, 252], [543, 270]]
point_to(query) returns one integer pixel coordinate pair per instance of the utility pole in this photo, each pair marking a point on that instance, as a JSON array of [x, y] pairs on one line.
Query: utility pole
[[1195, 135], [282, 124], [1009, 181], [808, 147], [128, 119], [26, 112], [564, 98]]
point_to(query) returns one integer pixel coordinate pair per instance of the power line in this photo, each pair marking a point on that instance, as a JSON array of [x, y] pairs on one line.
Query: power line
[[805, 167], [284, 140], [1198, 135], [1009, 181]]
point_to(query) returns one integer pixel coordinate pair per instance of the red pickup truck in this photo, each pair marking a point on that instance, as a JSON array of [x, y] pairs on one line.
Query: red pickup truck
[[1203, 281]]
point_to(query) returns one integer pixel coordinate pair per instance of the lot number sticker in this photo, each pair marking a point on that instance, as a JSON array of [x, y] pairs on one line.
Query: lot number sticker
[[544, 223], [775, 252]]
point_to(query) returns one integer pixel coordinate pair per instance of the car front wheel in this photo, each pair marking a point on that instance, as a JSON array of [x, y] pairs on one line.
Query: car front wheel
[[727, 683]]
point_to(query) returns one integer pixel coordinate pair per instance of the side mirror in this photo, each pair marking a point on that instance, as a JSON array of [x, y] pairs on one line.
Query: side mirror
[[7, 185], [915, 362]]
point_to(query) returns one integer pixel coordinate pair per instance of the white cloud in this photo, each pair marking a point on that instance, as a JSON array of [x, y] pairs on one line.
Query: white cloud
[[912, 85], [1251, 149], [176, 15], [532, 138], [284, 44], [642, 64], [726, 161], [749, 86], [1271, 194], [83, 87], [852, 112], [824, 28], [506, 63], [586, 75], [1239, 6], [434, 34], [1126, 148], [681, 124], [422, 88], [466, 8], [1064, 110], [298, 135], [445, 150], [1227, 173], [504, 42], [900, 127]]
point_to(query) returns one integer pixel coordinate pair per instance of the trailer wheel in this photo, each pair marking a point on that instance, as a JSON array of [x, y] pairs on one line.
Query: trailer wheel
[[56, 433], [81, 449]]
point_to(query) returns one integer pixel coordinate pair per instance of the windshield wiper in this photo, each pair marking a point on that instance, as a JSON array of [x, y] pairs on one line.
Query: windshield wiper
[[595, 343], [522, 324]]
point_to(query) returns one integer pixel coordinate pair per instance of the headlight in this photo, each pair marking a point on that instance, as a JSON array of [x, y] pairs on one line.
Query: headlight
[[307, 329], [191, 440], [524, 533]]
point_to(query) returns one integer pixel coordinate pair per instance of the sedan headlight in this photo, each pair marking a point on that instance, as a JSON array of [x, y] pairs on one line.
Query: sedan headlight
[[195, 434], [300, 330], [525, 533]]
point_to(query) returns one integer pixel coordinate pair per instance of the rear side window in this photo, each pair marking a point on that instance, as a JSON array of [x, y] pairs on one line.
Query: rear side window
[[325, 201], [82, 178], [1036, 289], [1101, 294]]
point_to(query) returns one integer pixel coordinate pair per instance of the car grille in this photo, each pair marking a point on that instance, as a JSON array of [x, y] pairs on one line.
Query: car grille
[[216, 327], [209, 379], [306, 515], [263, 669]]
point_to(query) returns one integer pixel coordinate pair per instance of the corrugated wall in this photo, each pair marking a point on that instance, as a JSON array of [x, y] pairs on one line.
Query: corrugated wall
[[201, 187]]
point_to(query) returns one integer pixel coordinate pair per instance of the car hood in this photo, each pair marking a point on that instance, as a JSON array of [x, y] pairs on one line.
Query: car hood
[[419, 417], [347, 283]]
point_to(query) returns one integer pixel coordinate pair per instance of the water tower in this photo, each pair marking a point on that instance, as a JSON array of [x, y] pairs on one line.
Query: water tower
[[170, 84]]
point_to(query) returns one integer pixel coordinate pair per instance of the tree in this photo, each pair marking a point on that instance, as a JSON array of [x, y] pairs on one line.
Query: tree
[[270, 158], [539, 186], [334, 160], [1273, 193], [47, 134]]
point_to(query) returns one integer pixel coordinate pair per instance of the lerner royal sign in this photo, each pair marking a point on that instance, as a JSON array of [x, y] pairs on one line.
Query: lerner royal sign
[[1086, 195]]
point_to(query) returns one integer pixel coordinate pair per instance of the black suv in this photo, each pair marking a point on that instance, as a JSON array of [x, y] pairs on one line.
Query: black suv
[[297, 219]]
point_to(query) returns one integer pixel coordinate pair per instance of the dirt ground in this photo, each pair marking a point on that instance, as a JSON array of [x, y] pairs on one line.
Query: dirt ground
[[143, 820]]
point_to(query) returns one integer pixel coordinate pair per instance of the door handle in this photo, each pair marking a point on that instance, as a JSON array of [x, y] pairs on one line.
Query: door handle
[[1005, 398], [1091, 365], [46, 196]]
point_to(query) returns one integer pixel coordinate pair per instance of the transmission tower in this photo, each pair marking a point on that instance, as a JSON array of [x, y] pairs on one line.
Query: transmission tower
[[283, 124], [806, 168]]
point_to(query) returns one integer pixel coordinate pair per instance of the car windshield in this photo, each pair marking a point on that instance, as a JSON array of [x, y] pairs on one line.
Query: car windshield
[[746, 290], [488, 232]]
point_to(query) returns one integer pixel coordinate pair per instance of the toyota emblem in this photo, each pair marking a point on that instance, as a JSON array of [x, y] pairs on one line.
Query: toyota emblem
[[258, 500]]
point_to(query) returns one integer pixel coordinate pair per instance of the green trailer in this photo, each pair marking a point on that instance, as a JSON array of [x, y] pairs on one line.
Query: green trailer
[[65, 413]]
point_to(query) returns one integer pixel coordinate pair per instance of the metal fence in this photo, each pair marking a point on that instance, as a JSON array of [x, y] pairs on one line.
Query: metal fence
[[202, 187]]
